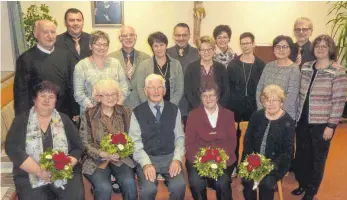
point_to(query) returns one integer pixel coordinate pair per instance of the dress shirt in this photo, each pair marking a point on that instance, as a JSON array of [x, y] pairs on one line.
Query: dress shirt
[[44, 50], [212, 117], [125, 55]]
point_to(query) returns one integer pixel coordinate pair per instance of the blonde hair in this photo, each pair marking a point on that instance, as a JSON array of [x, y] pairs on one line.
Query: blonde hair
[[303, 19], [97, 35], [270, 91], [206, 39], [104, 85], [151, 77]]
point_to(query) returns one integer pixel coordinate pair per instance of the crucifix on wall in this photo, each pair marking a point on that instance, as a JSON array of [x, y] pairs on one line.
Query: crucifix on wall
[[199, 14]]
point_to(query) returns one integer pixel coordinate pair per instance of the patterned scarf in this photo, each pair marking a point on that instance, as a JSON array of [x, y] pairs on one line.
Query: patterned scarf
[[224, 58], [33, 142]]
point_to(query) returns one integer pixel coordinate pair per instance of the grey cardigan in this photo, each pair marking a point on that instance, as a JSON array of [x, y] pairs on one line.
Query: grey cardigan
[[146, 68]]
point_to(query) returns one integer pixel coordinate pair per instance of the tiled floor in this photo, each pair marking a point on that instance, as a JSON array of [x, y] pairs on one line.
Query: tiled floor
[[333, 186]]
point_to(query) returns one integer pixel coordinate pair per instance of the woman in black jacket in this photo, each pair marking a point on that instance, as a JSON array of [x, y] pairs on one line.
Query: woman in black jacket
[[270, 133], [205, 70]]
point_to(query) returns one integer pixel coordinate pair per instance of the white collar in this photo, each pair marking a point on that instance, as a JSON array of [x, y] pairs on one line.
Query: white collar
[[215, 112], [44, 50]]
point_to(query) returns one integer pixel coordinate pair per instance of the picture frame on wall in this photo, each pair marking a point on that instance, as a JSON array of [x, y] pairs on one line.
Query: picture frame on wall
[[107, 13]]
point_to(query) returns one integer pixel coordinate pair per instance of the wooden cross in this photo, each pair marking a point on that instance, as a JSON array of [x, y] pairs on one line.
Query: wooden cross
[[199, 14]]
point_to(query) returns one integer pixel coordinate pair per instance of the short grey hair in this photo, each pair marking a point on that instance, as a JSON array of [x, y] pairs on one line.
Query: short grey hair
[[151, 77], [106, 84]]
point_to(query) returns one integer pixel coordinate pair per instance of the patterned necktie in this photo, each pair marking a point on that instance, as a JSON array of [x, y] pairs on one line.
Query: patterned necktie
[[158, 114], [77, 45], [180, 52], [130, 68], [299, 57]]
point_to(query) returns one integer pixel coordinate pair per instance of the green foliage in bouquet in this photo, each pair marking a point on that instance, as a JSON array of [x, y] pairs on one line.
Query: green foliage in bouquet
[[120, 143], [211, 162], [57, 163], [255, 167]]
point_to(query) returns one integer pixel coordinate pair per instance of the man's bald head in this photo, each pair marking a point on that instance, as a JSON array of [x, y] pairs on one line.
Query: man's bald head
[[127, 37], [45, 32]]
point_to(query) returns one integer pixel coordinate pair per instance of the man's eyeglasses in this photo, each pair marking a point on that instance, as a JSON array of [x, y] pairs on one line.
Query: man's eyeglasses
[[131, 35], [279, 47], [246, 43], [155, 88], [299, 30], [181, 35]]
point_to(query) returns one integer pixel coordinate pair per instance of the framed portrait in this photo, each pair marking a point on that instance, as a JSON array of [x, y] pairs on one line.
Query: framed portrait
[[107, 13]]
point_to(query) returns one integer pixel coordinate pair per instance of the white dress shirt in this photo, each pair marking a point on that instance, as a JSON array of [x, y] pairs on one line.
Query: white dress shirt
[[212, 117]]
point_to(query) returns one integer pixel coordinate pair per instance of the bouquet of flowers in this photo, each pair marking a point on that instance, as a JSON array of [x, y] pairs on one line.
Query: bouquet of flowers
[[211, 162], [58, 164], [255, 167], [119, 143]]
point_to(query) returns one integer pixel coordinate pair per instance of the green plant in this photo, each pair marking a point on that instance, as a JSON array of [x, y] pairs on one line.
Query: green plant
[[34, 13], [339, 28]]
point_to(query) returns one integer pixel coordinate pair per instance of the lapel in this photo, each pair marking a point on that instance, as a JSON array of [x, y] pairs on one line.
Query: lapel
[[120, 57], [174, 53], [137, 58], [69, 43]]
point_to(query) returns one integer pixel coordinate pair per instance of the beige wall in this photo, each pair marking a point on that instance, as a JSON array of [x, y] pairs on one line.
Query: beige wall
[[265, 19]]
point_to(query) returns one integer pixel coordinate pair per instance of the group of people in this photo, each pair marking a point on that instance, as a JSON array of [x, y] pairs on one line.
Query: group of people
[[172, 104]]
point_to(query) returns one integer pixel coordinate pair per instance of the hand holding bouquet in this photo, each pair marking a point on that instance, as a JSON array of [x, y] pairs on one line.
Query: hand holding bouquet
[[211, 162], [255, 167], [119, 143], [58, 164]]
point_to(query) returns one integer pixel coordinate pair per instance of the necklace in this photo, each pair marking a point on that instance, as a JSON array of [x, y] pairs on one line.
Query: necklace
[[161, 72], [246, 79]]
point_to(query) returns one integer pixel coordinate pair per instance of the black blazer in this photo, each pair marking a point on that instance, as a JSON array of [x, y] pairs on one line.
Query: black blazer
[[65, 41], [192, 83], [279, 144]]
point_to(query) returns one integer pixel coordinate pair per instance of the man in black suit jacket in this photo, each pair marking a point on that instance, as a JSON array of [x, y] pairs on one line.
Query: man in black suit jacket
[[74, 40]]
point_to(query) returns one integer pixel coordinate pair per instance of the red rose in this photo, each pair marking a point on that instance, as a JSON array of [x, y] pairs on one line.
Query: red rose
[[249, 168], [209, 152], [59, 157], [216, 152], [254, 160], [59, 166], [118, 138], [218, 159], [209, 157], [204, 159]]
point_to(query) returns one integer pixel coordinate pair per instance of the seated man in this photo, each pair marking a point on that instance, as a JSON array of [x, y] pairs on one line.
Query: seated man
[[156, 130]]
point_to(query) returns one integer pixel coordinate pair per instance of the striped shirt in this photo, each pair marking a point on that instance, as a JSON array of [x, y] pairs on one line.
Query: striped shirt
[[288, 78], [327, 96]]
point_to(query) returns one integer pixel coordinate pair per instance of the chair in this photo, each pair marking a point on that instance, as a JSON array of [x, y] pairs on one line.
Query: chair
[[243, 128]]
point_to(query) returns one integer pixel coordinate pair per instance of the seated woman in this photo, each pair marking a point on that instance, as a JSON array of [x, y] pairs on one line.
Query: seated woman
[[106, 117], [270, 132], [214, 126], [32, 133]]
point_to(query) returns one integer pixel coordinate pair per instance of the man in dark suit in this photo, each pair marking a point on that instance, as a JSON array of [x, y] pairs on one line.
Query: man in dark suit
[[129, 58], [186, 54], [74, 40], [44, 62]]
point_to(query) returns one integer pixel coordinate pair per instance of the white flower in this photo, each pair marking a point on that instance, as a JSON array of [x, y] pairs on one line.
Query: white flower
[[214, 166], [120, 147], [245, 163], [66, 167], [48, 157]]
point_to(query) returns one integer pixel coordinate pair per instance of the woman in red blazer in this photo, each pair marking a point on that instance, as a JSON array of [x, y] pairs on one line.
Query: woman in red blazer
[[214, 126]]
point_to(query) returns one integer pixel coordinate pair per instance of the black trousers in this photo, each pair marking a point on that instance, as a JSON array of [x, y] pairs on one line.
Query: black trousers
[[311, 154], [266, 189], [74, 189], [198, 184]]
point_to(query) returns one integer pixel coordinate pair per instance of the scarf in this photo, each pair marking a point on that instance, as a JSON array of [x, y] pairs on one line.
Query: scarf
[[224, 58], [33, 141]]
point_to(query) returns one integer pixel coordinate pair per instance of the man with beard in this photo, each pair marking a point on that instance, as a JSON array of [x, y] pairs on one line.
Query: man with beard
[[129, 58], [74, 39], [186, 54], [44, 62]]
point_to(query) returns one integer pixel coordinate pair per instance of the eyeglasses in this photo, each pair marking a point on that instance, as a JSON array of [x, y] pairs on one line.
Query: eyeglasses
[[279, 47], [321, 47], [155, 88], [131, 35], [113, 95], [181, 35], [272, 101], [209, 50], [304, 30], [246, 43], [101, 45], [222, 38], [208, 96]]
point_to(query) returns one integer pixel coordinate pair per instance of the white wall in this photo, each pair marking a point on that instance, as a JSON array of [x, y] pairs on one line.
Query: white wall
[[7, 59], [265, 19]]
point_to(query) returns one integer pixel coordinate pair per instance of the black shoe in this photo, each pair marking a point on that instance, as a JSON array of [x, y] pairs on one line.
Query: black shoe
[[298, 191], [307, 197]]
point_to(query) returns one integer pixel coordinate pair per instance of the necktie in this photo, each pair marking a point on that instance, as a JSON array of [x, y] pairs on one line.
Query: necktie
[[180, 52], [299, 57], [130, 68], [158, 114], [77, 45]]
